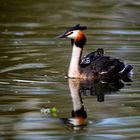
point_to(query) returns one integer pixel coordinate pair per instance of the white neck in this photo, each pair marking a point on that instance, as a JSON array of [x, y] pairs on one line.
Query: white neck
[[74, 71]]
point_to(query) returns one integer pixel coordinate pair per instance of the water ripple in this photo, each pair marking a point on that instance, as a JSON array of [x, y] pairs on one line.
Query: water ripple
[[23, 66]]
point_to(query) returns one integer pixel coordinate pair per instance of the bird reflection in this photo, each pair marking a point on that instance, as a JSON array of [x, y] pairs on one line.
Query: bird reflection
[[79, 88], [99, 88], [79, 114]]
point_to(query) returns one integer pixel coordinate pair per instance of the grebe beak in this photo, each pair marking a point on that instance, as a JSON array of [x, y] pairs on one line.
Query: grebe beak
[[65, 35], [62, 35]]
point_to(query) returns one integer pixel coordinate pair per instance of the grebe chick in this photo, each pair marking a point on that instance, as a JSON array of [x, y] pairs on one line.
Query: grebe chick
[[95, 65]]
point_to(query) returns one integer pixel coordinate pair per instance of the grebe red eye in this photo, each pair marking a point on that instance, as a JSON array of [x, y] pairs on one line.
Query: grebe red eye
[[69, 33]]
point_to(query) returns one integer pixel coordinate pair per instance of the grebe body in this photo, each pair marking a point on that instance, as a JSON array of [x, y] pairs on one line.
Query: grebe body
[[95, 65]]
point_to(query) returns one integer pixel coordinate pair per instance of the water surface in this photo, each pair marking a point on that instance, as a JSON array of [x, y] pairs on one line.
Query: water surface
[[35, 99]]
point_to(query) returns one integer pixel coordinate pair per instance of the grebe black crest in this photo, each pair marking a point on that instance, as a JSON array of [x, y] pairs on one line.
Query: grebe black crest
[[94, 65]]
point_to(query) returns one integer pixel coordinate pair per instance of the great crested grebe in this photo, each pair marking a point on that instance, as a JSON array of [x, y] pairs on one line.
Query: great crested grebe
[[95, 65]]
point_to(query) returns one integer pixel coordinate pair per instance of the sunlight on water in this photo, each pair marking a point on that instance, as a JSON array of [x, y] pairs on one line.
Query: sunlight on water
[[36, 101]]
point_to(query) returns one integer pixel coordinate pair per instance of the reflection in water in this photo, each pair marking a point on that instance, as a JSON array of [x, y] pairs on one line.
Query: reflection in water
[[100, 88], [79, 88], [79, 114]]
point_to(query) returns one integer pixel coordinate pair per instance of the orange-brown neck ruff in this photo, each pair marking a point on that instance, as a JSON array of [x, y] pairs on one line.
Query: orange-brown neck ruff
[[80, 39]]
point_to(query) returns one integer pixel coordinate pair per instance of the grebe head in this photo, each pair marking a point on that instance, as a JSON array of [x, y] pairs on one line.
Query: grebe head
[[73, 31], [76, 35]]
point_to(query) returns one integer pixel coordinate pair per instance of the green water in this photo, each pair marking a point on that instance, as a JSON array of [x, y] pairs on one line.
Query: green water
[[35, 98]]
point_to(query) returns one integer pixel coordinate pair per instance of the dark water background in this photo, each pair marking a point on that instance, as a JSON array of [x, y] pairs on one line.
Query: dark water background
[[34, 95]]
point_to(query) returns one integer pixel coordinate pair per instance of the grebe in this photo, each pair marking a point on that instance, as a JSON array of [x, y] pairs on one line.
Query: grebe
[[95, 65]]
